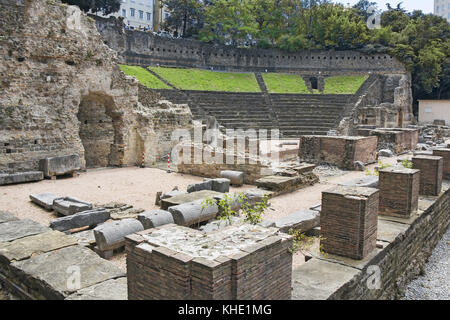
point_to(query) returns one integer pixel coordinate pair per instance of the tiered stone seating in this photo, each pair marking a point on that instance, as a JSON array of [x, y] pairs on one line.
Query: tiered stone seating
[[302, 114]]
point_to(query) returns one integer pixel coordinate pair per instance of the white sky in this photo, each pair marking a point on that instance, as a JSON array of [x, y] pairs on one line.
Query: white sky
[[425, 5]]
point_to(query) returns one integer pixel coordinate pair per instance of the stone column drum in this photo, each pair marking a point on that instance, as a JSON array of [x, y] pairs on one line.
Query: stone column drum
[[431, 168], [445, 154], [399, 191], [349, 221]]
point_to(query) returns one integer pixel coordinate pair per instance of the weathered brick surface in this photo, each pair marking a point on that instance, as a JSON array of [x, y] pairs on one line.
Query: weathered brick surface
[[399, 139], [261, 270], [445, 154], [399, 191], [431, 168], [341, 151], [348, 221]]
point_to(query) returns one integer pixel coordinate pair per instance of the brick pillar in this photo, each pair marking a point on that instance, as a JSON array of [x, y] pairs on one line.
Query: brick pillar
[[349, 221], [399, 191], [430, 174], [445, 154]]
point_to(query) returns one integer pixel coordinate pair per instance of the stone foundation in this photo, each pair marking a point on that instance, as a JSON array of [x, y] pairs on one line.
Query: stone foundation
[[431, 168], [445, 154], [399, 140], [341, 151], [174, 262]]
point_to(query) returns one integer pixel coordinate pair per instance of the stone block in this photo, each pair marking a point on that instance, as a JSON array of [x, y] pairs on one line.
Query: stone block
[[348, 221], [399, 191], [47, 275], [110, 236], [55, 166], [114, 289], [70, 205], [17, 229], [29, 246], [205, 185], [282, 184], [445, 154], [236, 177], [155, 218], [301, 221], [20, 177], [172, 193], [431, 168], [190, 213], [6, 216], [188, 197], [80, 219], [44, 200], [367, 181]]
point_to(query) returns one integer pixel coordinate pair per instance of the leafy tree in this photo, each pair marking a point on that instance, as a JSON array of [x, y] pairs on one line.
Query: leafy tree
[[186, 16], [104, 6], [362, 8]]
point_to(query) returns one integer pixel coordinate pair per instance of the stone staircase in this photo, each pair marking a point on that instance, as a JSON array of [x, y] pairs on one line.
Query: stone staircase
[[293, 114], [302, 114]]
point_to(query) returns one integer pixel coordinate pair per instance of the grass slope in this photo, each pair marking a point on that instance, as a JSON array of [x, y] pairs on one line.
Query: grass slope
[[196, 79], [144, 77], [284, 83], [343, 84]]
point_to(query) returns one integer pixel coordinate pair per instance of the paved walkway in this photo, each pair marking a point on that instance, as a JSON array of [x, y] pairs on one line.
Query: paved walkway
[[434, 284]]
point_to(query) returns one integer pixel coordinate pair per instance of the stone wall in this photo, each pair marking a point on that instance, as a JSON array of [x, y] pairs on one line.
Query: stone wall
[[341, 151], [62, 93], [396, 139], [144, 48]]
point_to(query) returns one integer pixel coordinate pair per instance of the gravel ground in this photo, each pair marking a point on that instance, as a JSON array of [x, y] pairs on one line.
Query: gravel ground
[[434, 284]]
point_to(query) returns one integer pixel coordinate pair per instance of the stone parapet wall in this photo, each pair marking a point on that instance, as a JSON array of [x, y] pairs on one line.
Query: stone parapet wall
[[144, 48]]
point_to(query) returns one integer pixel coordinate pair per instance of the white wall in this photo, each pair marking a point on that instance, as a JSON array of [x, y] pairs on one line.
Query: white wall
[[430, 110]]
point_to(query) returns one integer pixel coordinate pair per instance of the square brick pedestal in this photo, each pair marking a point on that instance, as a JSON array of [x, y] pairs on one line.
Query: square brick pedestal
[[445, 154], [430, 174], [399, 191], [349, 220]]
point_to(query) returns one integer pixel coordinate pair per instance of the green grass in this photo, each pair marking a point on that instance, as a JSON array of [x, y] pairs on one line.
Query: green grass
[[343, 84], [144, 77], [284, 83], [196, 79]]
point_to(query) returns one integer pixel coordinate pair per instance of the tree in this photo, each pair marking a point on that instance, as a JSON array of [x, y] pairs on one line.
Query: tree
[[362, 8], [104, 6], [185, 16]]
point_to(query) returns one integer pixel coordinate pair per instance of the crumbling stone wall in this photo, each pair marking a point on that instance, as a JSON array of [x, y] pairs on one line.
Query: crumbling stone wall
[[56, 73]]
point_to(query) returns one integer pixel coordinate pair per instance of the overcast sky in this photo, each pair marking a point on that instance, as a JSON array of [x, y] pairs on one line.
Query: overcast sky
[[425, 5]]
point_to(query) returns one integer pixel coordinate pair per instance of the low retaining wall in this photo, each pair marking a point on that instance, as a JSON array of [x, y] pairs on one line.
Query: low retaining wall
[[407, 243]]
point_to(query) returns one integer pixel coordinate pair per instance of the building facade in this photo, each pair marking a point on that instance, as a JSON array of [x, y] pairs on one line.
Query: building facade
[[442, 8], [142, 14], [430, 110]]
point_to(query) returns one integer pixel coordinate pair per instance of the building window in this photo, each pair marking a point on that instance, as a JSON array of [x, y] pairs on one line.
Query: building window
[[437, 9], [141, 14], [124, 13], [148, 16], [132, 10]]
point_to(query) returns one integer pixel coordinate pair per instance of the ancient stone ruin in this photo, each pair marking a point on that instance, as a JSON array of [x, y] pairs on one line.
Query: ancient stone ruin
[[114, 190]]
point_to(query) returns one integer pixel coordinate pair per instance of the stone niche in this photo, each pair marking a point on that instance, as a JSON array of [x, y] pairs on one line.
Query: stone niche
[[341, 151], [239, 262]]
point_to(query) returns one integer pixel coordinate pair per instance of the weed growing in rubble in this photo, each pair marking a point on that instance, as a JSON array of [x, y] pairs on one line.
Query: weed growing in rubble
[[229, 205], [375, 172], [407, 164], [303, 242]]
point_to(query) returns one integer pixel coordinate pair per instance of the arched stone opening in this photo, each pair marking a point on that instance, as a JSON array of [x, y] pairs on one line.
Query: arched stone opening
[[97, 130], [314, 83]]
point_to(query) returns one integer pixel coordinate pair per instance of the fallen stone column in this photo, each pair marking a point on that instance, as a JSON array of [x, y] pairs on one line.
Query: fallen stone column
[[155, 218], [190, 213], [399, 191], [431, 168], [55, 166], [69, 205], [21, 177], [205, 185], [80, 219], [236, 177], [44, 200], [220, 185], [110, 236]]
